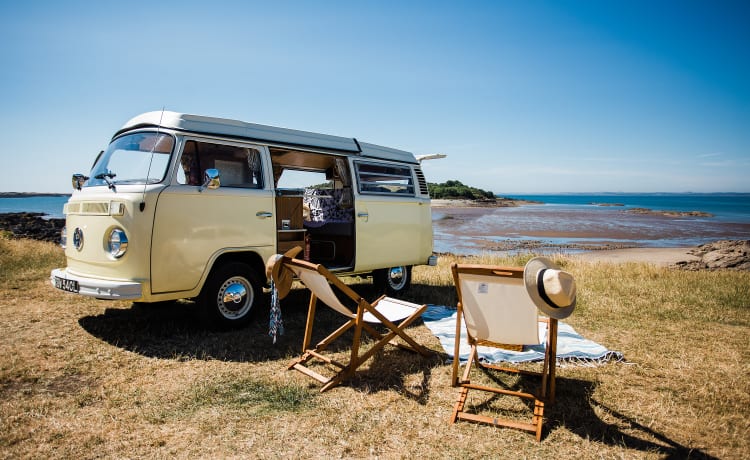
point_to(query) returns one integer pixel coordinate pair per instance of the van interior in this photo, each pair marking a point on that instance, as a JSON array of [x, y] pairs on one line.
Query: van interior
[[314, 206]]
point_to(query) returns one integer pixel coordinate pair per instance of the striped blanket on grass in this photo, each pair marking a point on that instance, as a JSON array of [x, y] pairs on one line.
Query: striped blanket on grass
[[572, 348]]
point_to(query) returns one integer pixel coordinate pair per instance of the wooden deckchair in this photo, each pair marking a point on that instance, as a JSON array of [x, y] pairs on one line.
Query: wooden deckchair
[[497, 311], [385, 311]]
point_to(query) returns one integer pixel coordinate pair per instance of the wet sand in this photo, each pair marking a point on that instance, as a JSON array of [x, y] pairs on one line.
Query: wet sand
[[598, 233]]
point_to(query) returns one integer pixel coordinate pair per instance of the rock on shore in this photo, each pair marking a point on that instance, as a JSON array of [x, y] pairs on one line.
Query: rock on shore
[[32, 225], [724, 254]]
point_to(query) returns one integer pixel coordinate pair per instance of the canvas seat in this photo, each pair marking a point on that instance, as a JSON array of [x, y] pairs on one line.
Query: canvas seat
[[393, 314], [498, 309]]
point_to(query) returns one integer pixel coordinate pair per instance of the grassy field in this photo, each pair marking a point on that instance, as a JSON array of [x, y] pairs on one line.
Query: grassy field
[[82, 378]]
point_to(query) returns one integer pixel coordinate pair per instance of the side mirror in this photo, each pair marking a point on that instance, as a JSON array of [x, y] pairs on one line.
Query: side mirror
[[211, 180], [78, 180]]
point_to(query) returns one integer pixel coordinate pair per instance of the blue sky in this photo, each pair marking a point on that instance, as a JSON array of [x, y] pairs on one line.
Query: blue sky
[[523, 96]]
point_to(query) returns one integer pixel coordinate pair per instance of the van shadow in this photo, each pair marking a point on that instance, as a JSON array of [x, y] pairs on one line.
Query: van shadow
[[578, 412], [177, 330]]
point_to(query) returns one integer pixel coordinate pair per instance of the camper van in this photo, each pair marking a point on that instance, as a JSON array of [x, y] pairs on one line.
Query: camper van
[[190, 207]]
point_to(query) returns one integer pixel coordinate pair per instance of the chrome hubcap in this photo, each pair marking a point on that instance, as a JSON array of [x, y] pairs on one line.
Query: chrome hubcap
[[235, 297], [396, 278]]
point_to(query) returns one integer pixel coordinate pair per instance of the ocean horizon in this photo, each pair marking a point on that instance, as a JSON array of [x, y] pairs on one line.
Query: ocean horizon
[[49, 204]]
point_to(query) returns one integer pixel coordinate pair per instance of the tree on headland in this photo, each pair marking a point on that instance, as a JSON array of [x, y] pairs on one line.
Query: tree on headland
[[455, 190]]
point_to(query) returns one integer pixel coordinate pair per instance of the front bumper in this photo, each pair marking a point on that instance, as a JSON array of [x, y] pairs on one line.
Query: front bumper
[[101, 289]]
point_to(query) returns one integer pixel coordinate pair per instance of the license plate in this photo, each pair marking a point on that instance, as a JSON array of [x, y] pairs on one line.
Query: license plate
[[66, 284]]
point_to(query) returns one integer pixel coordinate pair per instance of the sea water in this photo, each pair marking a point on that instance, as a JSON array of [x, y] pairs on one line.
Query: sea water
[[728, 207], [52, 206]]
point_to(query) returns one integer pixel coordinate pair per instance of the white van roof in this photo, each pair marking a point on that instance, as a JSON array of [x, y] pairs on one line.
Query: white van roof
[[256, 132]]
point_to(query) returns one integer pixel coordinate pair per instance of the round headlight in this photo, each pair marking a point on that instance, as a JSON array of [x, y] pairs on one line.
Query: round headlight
[[118, 243]]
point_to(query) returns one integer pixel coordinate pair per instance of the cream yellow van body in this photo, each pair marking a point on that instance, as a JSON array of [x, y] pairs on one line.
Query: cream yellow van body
[[142, 228]]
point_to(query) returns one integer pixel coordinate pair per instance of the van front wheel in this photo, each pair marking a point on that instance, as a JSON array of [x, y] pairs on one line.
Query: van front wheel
[[393, 281], [230, 294]]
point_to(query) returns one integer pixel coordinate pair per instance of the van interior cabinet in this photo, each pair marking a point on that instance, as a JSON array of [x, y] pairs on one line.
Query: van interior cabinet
[[289, 223]]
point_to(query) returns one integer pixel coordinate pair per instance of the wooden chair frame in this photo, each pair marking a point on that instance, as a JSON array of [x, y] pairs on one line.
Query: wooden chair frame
[[546, 395], [378, 312]]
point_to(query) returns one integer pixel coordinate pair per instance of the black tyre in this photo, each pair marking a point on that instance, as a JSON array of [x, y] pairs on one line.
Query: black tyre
[[231, 295], [393, 281]]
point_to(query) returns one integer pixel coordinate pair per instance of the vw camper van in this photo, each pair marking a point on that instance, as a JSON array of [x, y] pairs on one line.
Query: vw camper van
[[190, 207]]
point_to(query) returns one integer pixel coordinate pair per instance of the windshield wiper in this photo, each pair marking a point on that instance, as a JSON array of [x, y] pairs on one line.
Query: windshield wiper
[[107, 177]]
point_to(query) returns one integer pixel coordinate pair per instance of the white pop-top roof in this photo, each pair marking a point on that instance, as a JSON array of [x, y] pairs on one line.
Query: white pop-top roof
[[256, 132]]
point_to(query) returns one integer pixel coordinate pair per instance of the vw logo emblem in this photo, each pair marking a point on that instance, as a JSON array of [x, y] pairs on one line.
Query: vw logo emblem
[[78, 238]]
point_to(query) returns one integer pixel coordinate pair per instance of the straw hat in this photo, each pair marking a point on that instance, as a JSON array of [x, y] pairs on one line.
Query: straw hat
[[552, 289], [281, 276]]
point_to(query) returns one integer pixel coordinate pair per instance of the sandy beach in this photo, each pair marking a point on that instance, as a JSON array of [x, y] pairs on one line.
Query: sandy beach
[[655, 256]]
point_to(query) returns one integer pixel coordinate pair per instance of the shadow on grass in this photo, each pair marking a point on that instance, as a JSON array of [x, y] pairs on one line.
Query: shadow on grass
[[575, 410], [176, 330], [578, 412]]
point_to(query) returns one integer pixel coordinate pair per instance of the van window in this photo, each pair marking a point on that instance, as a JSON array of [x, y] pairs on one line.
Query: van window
[[378, 178], [238, 166]]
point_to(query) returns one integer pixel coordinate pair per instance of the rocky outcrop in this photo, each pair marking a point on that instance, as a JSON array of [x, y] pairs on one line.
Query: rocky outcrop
[[724, 254], [669, 213], [32, 225]]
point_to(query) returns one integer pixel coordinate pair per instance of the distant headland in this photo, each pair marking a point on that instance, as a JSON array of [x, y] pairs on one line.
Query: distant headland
[[499, 202], [453, 193], [29, 194]]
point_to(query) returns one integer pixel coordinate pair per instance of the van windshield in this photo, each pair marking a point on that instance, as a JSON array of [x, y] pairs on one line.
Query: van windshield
[[139, 158]]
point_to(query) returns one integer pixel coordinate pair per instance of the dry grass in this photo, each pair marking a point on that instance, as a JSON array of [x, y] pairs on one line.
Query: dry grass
[[85, 378]]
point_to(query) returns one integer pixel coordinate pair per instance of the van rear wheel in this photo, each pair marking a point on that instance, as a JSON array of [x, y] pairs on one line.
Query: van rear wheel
[[394, 280], [230, 295]]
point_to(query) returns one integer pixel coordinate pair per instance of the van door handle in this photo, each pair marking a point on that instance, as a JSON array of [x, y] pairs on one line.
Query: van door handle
[[263, 214], [363, 214]]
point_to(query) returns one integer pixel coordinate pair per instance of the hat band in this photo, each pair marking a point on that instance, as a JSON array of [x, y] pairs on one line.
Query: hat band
[[540, 288]]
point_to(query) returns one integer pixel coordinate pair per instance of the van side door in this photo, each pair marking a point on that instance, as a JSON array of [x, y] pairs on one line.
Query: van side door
[[393, 221], [194, 225]]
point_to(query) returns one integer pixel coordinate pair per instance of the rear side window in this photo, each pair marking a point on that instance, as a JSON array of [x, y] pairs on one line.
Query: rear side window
[[384, 179], [238, 166]]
